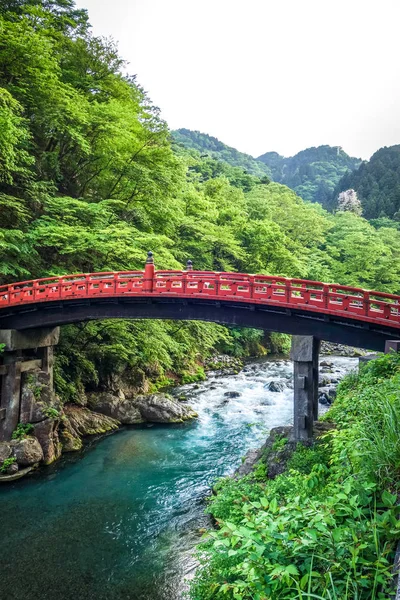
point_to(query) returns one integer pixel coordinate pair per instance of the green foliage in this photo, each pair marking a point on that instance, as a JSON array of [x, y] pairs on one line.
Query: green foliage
[[52, 413], [22, 430], [213, 148], [279, 343], [89, 181], [199, 375], [7, 463], [313, 173], [377, 183], [279, 443], [328, 527]]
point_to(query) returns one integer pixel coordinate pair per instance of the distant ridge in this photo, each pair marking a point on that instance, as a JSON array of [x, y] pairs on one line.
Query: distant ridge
[[207, 144], [377, 183], [313, 174]]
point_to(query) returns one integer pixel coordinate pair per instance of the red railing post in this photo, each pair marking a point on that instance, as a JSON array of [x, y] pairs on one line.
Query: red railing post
[[149, 271], [251, 285], [366, 303], [189, 267], [325, 295], [288, 290]]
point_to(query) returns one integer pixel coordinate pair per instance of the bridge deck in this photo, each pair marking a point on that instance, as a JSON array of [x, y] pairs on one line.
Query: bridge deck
[[311, 296]]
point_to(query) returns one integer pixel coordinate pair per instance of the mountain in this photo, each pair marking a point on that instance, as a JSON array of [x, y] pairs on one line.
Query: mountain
[[377, 183], [313, 173], [206, 144]]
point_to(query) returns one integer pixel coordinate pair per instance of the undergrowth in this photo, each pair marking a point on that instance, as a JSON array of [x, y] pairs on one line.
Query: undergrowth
[[328, 526]]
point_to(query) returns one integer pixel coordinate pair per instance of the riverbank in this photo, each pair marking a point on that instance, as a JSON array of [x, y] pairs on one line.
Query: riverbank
[[326, 521], [119, 519], [50, 428]]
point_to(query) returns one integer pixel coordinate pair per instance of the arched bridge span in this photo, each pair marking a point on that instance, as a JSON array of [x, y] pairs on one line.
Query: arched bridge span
[[330, 312]]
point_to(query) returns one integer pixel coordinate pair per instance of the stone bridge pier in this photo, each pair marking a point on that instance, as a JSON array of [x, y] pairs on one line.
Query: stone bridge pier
[[304, 354], [24, 351]]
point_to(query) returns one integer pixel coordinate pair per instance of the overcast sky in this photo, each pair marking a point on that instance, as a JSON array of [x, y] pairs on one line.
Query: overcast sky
[[265, 75]]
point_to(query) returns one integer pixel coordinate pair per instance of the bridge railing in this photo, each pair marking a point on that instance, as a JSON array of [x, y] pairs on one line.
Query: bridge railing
[[314, 296]]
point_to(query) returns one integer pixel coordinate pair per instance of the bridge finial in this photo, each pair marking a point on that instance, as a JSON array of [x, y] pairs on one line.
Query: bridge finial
[[189, 265], [150, 258]]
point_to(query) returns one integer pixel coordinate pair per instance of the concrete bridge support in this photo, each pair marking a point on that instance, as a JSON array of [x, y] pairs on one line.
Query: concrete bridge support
[[24, 351], [304, 353]]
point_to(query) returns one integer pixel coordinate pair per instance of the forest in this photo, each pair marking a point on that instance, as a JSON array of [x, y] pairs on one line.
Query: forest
[[90, 180], [318, 174], [377, 183], [314, 173]]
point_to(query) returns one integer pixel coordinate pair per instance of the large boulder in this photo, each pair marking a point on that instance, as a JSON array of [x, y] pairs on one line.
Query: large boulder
[[70, 439], [27, 451], [85, 422], [47, 434], [38, 400], [118, 407], [160, 408], [5, 451]]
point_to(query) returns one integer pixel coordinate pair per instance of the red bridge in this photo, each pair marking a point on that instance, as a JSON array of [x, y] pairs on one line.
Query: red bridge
[[327, 311]]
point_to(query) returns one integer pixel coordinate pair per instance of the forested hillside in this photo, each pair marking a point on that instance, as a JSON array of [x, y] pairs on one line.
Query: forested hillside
[[313, 173], [377, 183], [89, 182], [213, 148]]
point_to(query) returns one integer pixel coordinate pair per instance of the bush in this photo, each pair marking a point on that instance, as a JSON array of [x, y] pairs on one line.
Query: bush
[[328, 527], [52, 413], [7, 463], [22, 430]]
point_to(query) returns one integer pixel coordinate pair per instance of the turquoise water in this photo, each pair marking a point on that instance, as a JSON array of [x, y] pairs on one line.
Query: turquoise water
[[120, 519]]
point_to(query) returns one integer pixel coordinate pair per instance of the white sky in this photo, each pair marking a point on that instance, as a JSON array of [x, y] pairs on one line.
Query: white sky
[[264, 75]]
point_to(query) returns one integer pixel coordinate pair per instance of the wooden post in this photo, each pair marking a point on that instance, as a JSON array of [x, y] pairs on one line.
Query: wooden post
[[304, 353]]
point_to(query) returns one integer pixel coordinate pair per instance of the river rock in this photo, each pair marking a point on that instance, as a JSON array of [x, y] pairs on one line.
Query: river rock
[[325, 363], [70, 439], [5, 451], [27, 451], [122, 409], [232, 394], [249, 461], [160, 408], [323, 398], [275, 386], [341, 350], [47, 434], [86, 422], [37, 397], [70, 442], [12, 469]]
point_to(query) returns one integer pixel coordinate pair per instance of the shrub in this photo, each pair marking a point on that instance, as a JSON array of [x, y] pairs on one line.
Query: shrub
[[52, 413], [328, 527], [7, 463], [22, 430]]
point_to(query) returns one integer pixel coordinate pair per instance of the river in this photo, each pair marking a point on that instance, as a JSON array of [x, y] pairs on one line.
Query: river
[[119, 520]]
